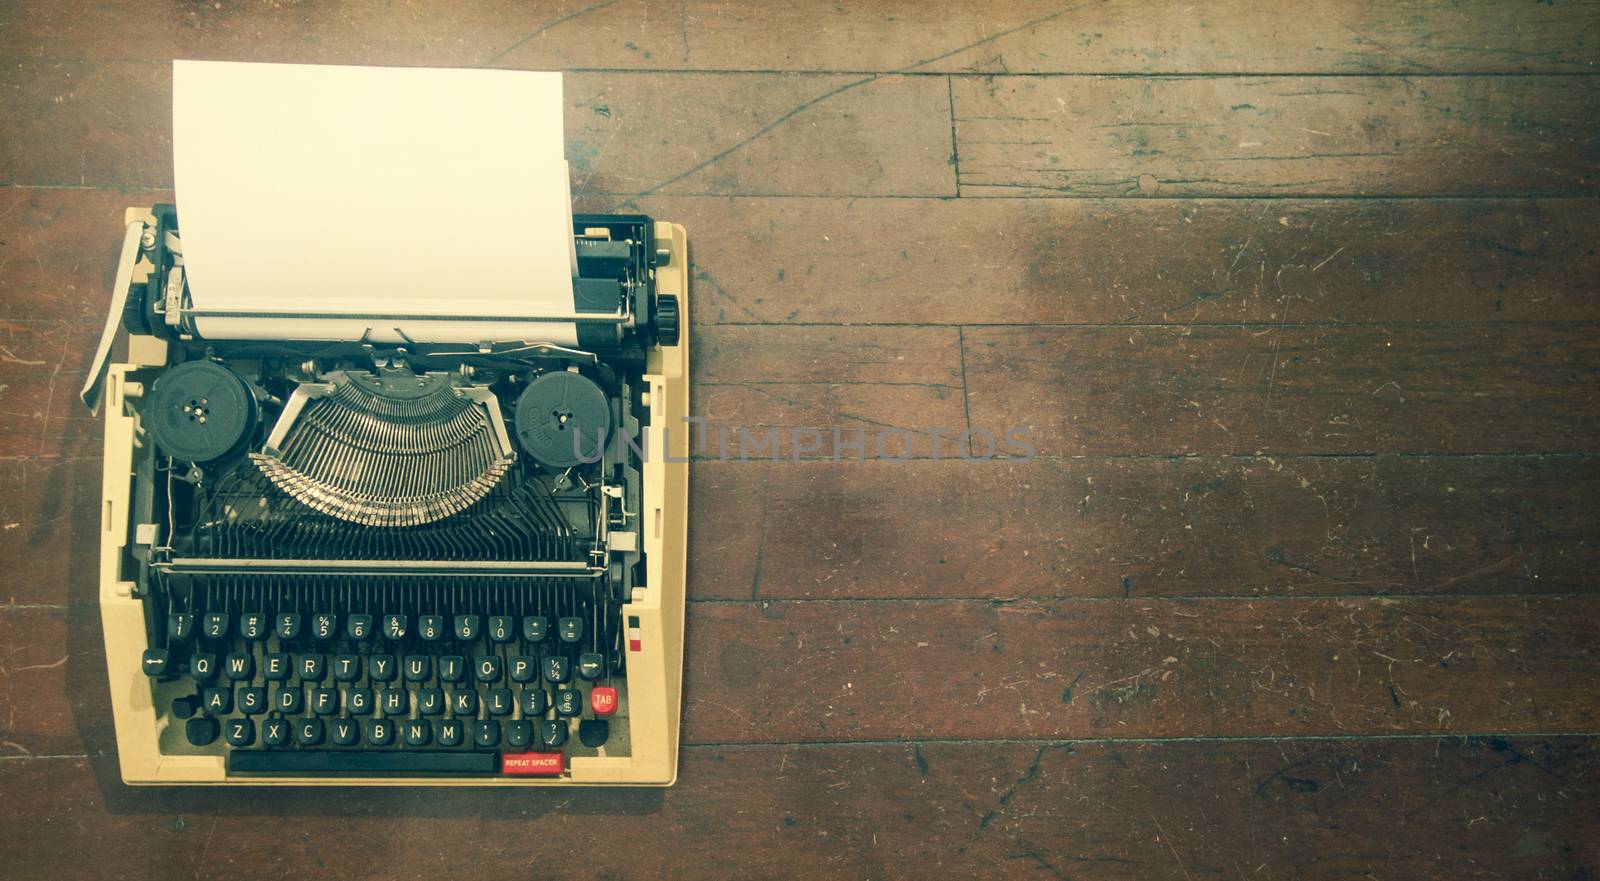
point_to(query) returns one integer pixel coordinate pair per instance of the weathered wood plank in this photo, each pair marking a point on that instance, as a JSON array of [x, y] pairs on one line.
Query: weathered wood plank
[[49, 533], [108, 124], [1285, 809], [1144, 528], [1280, 809], [1072, 261], [1007, 261], [1286, 136], [1285, 390], [1020, 36], [59, 252], [851, 671], [42, 367], [828, 671], [880, 387], [1048, 528]]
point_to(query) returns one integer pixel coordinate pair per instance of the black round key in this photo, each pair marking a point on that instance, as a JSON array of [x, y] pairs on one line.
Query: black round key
[[571, 629], [358, 701], [380, 667], [486, 734], [358, 627], [394, 626], [324, 625], [184, 707], [217, 701], [275, 666], [289, 700], [430, 627], [310, 667], [252, 700], [467, 627], [557, 669], [380, 732], [325, 701], [202, 730], [486, 668], [180, 625], [239, 666], [535, 628], [215, 626], [203, 667], [240, 732], [519, 733], [287, 625], [524, 668], [308, 732], [452, 668], [346, 668], [253, 625], [464, 703], [591, 665], [553, 732], [535, 701], [274, 732], [569, 702], [155, 662], [502, 628], [418, 732], [418, 668], [498, 701], [592, 733], [344, 732], [394, 701], [449, 732], [430, 701]]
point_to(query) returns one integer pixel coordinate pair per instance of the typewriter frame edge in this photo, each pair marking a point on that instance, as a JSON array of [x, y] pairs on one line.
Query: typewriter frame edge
[[660, 608]]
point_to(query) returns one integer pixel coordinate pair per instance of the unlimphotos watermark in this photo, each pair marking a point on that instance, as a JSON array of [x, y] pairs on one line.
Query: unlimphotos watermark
[[739, 443]]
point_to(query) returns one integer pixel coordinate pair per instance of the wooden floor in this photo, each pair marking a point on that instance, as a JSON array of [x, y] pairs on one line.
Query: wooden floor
[[1298, 301]]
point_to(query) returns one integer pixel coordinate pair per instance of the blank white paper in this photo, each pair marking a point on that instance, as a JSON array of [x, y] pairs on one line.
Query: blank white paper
[[415, 194]]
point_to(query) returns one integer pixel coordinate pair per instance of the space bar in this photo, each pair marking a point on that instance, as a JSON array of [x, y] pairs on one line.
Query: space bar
[[383, 763]]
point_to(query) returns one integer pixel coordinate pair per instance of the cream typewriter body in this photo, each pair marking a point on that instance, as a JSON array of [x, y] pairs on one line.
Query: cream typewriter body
[[341, 562]]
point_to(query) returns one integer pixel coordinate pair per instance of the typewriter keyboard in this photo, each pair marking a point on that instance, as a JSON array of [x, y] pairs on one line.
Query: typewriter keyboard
[[392, 678]]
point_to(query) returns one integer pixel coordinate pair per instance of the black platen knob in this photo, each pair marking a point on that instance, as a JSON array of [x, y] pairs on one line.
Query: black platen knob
[[667, 320]]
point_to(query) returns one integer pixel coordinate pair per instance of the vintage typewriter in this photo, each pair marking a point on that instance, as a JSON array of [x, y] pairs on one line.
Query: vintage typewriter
[[344, 562]]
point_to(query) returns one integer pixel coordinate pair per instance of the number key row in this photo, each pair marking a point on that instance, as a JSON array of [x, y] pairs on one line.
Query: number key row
[[325, 626]]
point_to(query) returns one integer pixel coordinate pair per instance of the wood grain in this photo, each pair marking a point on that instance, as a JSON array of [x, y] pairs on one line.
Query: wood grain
[[1285, 390], [42, 367], [1018, 36], [1284, 136], [106, 124], [1303, 809], [49, 532], [1144, 528], [1007, 261], [829, 671], [777, 671], [1303, 333], [1087, 261]]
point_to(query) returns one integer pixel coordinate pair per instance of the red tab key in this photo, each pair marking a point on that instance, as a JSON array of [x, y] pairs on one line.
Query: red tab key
[[603, 700]]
